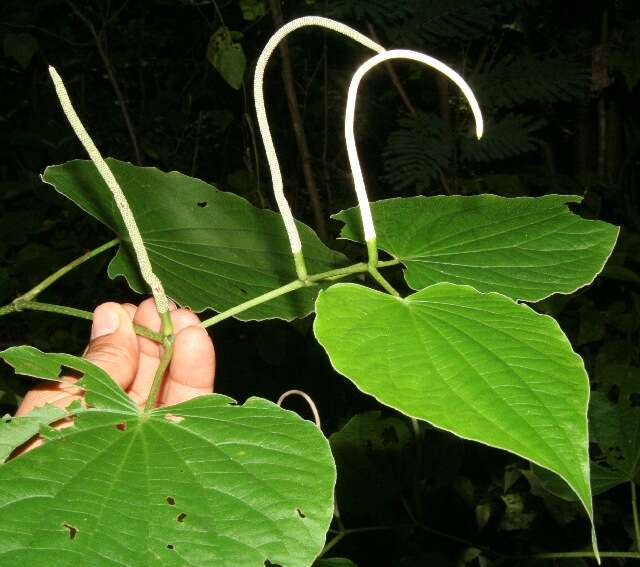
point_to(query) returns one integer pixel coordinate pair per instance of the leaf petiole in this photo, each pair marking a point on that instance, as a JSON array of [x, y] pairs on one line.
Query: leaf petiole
[[338, 273]]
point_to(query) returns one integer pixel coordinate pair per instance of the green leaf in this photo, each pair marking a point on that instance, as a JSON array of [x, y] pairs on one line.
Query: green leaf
[[227, 56], [252, 9], [20, 47], [102, 391], [205, 483], [210, 249], [14, 431], [335, 562], [616, 428], [527, 248], [478, 365], [368, 454]]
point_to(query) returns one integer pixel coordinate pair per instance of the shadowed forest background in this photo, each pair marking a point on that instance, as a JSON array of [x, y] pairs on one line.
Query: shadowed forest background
[[168, 83]]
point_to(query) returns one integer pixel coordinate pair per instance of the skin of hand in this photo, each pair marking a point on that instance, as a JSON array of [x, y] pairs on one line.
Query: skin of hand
[[132, 360]]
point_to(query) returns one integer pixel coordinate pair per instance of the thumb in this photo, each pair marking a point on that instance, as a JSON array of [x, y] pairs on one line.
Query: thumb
[[114, 345]]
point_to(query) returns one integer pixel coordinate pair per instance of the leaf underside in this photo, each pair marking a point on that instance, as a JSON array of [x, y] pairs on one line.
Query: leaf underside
[[526, 248], [203, 483], [210, 249], [479, 365]]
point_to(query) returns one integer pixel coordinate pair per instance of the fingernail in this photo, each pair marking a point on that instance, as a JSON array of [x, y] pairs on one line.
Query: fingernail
[[105, 321]]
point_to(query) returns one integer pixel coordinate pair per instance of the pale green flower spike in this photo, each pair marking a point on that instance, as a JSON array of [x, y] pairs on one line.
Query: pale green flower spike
[[162, 305], [265, 132], [356, 170]]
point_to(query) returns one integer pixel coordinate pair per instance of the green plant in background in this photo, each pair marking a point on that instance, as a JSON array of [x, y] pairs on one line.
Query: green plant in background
[[252, 484]]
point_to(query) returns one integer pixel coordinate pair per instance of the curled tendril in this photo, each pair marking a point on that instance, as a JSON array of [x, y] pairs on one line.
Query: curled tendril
[[307, 398]]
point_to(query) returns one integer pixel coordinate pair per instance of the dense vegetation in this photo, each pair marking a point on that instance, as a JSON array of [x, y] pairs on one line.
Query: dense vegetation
[[557, 88]]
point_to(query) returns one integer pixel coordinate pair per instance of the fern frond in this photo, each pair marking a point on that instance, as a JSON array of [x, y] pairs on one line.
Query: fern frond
[[381, 13], [416, 152], [517, 80], [434, 20], [511, 136]]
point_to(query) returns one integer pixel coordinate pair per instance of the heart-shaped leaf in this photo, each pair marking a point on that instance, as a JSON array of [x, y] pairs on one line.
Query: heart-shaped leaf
[[210, 249], [479, 365], [524, 247], [204, 483]]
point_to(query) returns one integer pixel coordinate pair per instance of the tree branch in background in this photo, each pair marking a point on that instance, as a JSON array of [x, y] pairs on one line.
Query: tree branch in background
[[99, 38], [393, 75], [298, 129], [409, 105]]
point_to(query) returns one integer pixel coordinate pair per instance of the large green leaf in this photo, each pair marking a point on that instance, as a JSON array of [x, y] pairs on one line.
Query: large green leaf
[[526, 248], [479, 365], [211, 249], [204, 483], [14, 431]]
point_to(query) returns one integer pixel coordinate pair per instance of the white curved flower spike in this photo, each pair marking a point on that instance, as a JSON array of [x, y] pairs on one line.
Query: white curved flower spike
[[361, 192], [162, 304], [265, 132]]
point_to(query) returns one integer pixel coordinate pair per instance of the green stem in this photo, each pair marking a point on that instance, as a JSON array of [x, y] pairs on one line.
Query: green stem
[[16, 306], [376, 275], [584, 554], [372, 251], [301, 267], [292, 286], [52, 308], [35, 291], [165, 359], [335, 540], [295, 284], [634, 509]]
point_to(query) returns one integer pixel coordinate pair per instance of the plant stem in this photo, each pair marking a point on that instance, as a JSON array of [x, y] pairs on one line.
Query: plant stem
[[52, 308], [44, 284], [634, 509], [16, 306], [165, 359], [335, 540], [376, 275], [296, 284], [585, 554]]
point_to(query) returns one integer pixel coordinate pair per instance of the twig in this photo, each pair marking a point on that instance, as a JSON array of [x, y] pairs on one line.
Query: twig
[[393, 75], [98, 37], [298, 129]]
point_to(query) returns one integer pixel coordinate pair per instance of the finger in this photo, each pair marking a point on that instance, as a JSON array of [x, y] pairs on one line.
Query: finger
[[113, 348], [192, 368], [150, 351], [114, 345]]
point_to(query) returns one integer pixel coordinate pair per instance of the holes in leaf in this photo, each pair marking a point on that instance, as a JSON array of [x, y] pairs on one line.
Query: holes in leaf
[[268, 563], [171, 501], [202, 204], [181, 517], [68, 372], [73, 531], [121, 426], [300, 513], [243, 290], [170, 546]]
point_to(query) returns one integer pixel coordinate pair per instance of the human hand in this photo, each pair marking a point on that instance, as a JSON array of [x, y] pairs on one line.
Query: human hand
[[131, 360]]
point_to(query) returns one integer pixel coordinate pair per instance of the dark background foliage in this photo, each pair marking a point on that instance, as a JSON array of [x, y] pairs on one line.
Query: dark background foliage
[[558, 82]]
